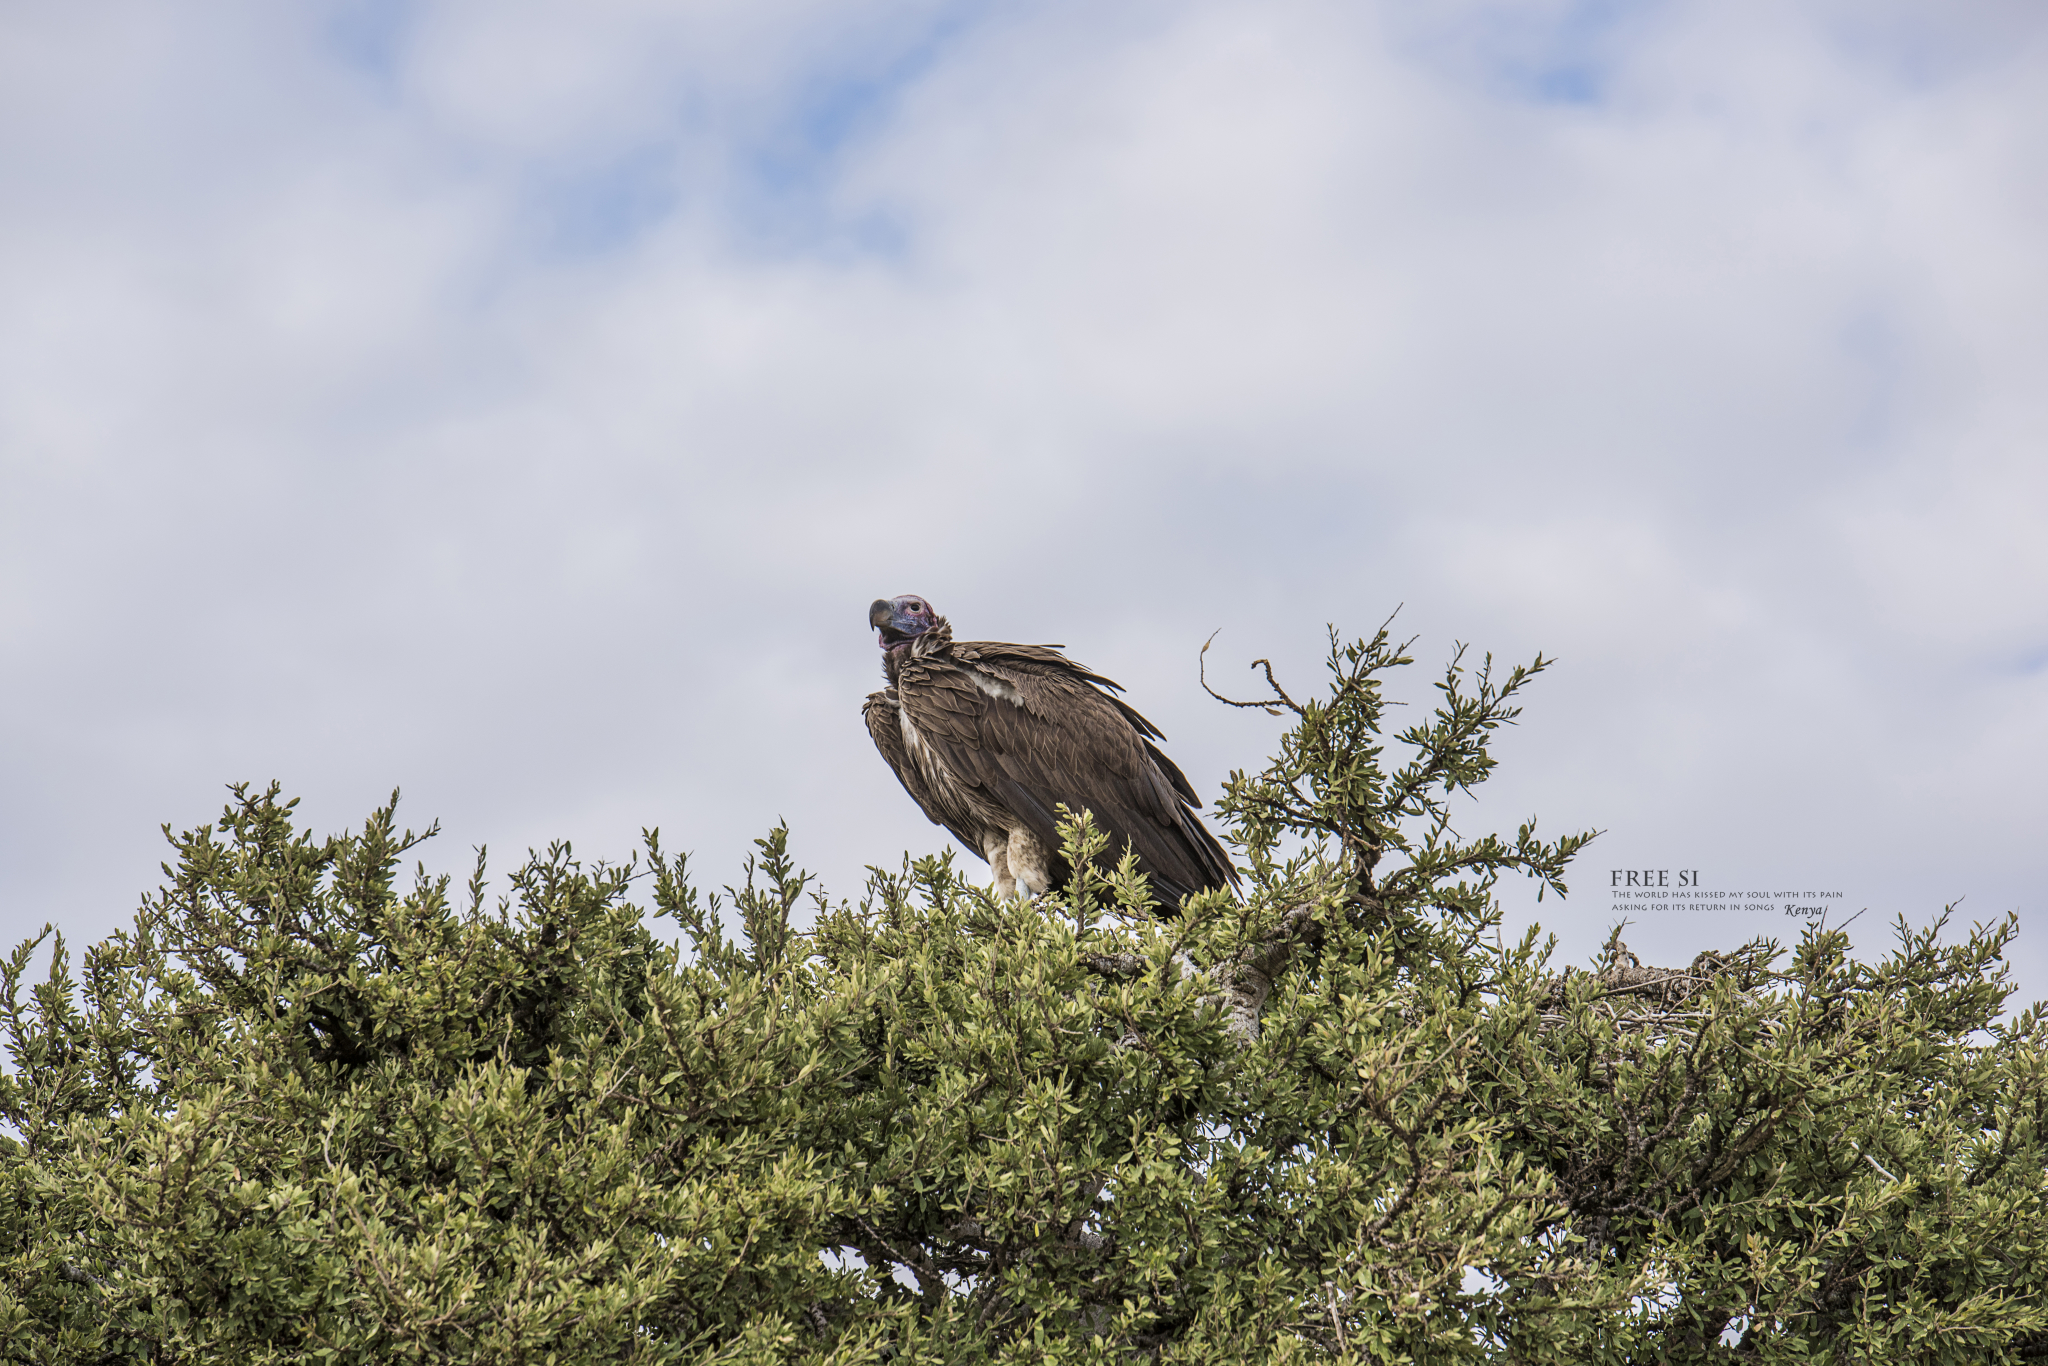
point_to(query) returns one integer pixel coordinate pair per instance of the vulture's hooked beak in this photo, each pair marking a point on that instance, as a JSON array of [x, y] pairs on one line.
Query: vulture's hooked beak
[[882, 616]]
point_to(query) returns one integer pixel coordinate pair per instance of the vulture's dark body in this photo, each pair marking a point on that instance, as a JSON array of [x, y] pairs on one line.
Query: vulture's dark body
[[991, 738]]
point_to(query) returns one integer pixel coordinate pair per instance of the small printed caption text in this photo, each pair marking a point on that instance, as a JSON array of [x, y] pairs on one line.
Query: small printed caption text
[[1679, 889]]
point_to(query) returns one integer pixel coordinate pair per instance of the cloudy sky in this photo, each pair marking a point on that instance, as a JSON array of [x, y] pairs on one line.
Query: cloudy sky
[[519, 405]]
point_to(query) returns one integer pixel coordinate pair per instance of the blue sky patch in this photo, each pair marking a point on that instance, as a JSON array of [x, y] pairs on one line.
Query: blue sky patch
[[1564, 54]]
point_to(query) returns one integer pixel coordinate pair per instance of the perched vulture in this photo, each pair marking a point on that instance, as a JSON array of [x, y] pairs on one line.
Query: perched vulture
[[991, 738]]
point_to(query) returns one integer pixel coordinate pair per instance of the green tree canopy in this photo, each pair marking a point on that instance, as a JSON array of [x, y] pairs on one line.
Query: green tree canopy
[[302, 1113]]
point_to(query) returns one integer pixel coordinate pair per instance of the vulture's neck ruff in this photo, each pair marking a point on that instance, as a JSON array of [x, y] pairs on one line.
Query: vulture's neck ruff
[[898, 646]]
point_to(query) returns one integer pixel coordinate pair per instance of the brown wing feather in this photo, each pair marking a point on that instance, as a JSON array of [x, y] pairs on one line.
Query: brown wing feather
[[1063, 739], [881, 712]]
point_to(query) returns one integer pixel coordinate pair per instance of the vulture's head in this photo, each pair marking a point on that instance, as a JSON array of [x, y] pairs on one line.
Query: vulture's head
[[902, 620]]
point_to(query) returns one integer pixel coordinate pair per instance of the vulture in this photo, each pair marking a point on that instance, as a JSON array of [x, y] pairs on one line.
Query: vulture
[[991, 738]]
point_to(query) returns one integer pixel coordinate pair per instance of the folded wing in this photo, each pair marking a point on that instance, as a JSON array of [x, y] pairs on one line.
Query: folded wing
[[1022, 729]]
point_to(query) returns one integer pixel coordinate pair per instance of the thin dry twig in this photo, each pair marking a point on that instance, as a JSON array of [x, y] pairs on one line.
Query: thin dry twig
[[1201, 671]]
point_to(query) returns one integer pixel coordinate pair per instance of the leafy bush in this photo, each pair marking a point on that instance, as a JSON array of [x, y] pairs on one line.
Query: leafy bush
[[298, 1114]]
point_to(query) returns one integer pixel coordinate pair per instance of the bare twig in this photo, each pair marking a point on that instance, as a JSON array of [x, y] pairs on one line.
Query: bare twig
[[1201, 672], [1874, 1164]]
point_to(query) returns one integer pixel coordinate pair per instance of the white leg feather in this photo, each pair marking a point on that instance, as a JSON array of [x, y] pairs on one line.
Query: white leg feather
[[1029, 867], [998, 855]]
